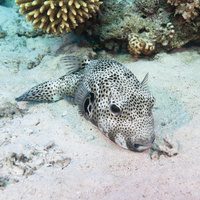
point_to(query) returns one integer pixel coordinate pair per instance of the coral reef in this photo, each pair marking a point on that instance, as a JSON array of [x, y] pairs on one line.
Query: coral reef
[[171, 27], [186, 20], [163, 24], [57, 16], [148, 6], [188, 9], [144, 19], [137, 46]]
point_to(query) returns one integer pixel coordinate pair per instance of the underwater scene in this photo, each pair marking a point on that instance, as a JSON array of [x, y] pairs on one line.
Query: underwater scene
[[99, 99]]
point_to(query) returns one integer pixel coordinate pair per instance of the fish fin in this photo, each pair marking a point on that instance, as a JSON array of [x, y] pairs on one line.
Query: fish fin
[[84, 99], [69, 99], [73, 63], [44, 92], [144, 82]]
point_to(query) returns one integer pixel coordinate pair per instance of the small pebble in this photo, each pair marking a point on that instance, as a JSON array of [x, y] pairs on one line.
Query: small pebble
[[155, 156], [63, 163], [49, 145], [28, 131], [28, 172], [90, 138]]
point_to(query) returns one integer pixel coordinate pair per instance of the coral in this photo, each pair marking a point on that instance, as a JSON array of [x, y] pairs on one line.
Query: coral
[[16, 165], [147, 6], [188, 9], [170, 27], [111, 45], [9, 109], [120, 18], [159, 22], [169, 148], [137, 46], [57, 16]]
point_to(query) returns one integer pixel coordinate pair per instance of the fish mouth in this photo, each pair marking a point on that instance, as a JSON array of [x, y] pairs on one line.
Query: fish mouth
[[140, 147]]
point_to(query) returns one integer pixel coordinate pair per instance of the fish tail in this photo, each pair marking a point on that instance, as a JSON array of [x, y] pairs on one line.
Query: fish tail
[[64, 87], [44, 92]]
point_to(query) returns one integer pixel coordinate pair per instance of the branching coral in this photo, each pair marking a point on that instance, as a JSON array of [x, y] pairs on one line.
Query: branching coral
[[57, 16], [188, 9], [137, 46]]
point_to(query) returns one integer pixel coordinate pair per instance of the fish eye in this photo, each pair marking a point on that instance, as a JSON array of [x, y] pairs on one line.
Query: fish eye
[[115, 109]]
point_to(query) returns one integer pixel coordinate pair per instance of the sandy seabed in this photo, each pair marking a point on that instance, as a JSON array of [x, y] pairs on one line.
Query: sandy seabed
[[70, 159], [50, 152]]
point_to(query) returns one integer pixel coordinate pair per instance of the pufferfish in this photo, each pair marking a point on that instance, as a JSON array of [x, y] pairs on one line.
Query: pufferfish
[[108, 95]]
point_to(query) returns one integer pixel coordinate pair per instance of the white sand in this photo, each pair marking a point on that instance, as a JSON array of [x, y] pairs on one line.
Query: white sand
[[99, 169]]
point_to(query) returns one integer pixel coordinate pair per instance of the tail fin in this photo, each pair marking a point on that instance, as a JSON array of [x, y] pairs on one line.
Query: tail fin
[[65, 86], [48, 91]]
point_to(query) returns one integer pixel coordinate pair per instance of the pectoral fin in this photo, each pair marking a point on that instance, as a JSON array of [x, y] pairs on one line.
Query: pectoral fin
[[85, 99], [145, 82]]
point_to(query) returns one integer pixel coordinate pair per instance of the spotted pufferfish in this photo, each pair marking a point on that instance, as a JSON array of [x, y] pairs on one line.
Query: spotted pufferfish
[[108, 95]]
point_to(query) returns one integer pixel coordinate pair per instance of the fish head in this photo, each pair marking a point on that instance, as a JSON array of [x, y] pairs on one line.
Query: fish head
[[126, 118], [121, 108]]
